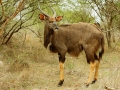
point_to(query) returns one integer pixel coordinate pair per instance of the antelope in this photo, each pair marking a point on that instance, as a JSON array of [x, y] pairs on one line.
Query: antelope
[[72, 39]]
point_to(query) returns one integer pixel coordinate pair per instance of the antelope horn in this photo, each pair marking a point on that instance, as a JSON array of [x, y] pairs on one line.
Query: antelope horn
[[53, 12], [42, 10]]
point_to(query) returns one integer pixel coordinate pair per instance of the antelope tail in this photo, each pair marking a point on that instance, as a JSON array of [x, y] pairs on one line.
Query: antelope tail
[[102, 48]]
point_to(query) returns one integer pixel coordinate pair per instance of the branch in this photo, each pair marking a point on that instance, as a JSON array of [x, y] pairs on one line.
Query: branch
[[111, 29], [115, 8], [109, 88], [17, 26], [19, 8], [97, 5], [14, 26], [34, 32], [3, 13]]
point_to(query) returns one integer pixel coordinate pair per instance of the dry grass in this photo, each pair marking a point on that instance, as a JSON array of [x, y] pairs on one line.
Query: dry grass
[[29, 66]]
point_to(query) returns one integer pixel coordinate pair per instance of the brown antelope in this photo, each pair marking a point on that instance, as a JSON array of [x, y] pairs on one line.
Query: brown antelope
[[72, 39]]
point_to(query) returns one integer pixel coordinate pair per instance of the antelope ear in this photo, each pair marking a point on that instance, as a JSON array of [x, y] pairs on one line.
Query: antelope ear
[[58, 18], [41, 16]]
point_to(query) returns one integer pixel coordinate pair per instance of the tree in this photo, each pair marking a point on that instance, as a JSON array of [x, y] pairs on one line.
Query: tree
[[75, 11], [17, 15], [7, 19], [107, 10]]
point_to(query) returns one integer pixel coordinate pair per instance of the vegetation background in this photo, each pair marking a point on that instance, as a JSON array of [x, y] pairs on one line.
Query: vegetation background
[[26, 65]]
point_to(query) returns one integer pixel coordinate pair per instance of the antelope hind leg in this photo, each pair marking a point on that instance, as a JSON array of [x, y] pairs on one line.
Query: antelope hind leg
[[92, 67], [96, 71]]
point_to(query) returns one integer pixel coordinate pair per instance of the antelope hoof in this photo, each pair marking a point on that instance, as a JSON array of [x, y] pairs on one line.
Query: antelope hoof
[[60, 83], [87, 85], [94, 81]]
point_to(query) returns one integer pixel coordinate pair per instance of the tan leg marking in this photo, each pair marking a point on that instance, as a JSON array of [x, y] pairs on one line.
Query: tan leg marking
[[92, 68], [61, 71], [96, 70]]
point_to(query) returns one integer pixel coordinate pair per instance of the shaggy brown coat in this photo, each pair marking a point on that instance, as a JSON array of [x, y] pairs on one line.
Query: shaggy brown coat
[[74, 38]]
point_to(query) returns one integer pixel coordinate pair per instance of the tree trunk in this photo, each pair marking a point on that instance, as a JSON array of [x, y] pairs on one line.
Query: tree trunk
[[113, 37], [109, 39]]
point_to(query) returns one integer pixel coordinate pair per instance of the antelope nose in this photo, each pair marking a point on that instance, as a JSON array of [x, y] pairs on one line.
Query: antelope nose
[[56, 28]]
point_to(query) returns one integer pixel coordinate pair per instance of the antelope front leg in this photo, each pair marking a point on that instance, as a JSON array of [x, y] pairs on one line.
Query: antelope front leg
[[61, 62], [92, 67], [61, 74]]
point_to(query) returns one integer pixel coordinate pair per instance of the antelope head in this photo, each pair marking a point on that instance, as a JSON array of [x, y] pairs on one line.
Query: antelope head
[[50, 24]]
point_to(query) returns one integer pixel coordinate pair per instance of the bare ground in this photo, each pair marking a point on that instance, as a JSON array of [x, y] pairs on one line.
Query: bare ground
[[29, 66]]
